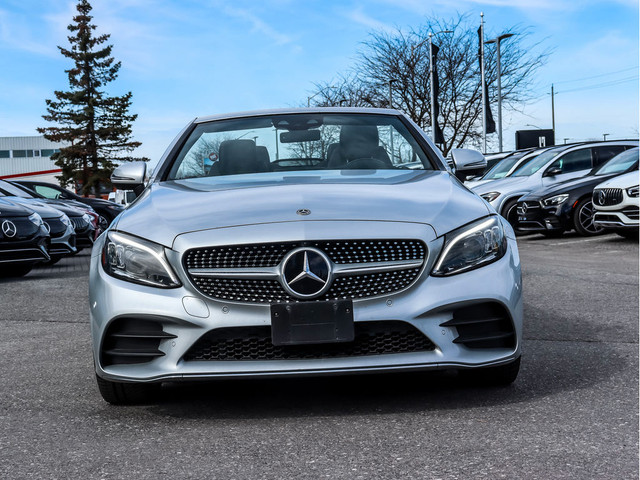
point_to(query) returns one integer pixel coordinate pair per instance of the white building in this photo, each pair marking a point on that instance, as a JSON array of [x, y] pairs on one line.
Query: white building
[[28, 158]]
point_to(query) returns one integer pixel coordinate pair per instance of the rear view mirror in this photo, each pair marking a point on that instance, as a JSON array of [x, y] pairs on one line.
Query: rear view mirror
[[300, 136], [130, 176]]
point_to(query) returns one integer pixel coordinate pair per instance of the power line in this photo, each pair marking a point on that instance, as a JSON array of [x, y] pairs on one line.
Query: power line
[[601, 85], [597, 76]]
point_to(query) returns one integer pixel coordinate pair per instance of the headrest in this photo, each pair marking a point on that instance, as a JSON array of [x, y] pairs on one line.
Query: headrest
[[238, 156], [358, 141]]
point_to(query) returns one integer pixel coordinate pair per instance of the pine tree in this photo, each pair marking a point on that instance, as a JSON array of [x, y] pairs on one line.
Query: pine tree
[[97, 127]]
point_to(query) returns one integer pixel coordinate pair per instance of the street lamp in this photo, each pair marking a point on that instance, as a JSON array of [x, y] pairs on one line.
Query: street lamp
[[604, 136], [497, 41]]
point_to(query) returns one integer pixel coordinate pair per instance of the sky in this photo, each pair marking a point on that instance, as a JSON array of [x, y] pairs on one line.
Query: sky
[[188, 58]]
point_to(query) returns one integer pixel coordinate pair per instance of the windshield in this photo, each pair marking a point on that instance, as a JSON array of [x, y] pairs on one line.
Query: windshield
[[13, 191], [500, 169], [537, 163], [620, 163], [309, 141]]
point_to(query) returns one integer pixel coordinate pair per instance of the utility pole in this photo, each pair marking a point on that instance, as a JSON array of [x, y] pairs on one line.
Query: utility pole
[[553, 114]]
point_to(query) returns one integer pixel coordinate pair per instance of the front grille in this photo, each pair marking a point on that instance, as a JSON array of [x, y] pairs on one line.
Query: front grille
[[525, 207], [254, 343], [485, 325], [607, 196], [132, 341], [631, 212], [271, 254], [56, 227], [79, 223], [22, 255], [25, 228], [354, 285]]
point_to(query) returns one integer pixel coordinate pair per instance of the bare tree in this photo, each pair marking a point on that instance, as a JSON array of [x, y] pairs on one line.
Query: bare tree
[[403, 59]]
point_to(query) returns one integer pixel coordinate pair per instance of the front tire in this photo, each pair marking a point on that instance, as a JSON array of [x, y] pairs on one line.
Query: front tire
[[500, 376], [583, 219], [117, 393], [509, 211]]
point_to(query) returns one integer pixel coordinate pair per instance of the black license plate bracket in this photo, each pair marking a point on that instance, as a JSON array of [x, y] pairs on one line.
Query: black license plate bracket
[[312, 322]]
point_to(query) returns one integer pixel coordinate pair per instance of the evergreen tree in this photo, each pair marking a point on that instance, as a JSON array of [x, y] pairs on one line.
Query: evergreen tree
[[96, 127]]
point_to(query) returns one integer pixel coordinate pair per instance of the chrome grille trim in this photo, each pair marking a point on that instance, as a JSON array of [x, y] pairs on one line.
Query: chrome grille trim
[[607, 196], [261, 282]]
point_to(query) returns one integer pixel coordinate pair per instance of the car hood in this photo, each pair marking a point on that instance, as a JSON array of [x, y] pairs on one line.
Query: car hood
[[568, 186], [168, 209], [9, 209], [41, 208], [503, 185], [621, 181]]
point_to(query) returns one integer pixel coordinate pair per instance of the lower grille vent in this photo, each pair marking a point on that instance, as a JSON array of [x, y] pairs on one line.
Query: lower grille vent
[[131, 340], [486, 325], [631, 212], [254, 343]]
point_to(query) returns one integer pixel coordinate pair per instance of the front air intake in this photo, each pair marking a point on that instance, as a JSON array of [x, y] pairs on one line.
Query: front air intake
[[132, 340], [484, 325]]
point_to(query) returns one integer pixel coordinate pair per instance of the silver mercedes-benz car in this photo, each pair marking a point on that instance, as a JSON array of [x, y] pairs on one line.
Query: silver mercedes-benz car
[[302, 242]]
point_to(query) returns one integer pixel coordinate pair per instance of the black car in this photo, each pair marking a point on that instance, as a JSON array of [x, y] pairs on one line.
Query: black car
[[568, 205], [106, 209], [23, 240], [82, 226]]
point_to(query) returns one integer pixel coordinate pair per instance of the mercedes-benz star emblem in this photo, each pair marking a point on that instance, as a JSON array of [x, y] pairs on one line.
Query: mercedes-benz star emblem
[[47, 227], [9, 229], [524, 208], [602, 197], [306, 272], [303, 211]]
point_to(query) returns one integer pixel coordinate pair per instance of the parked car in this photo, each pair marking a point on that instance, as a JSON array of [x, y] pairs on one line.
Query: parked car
[[616, 205], [556, 165], [106, 210], [81, 222], [61, 231], [292, 255], [83, 216], [567, 205], [23, 239], [505, 167]]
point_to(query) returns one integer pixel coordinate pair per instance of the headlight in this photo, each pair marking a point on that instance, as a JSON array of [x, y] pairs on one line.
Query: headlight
[[139, 261], [35, 219], [555, 200], [471, 246], [632, 191], [491, 196], [64, 219]]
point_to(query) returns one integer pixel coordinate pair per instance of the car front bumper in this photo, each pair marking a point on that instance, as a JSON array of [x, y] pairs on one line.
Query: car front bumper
[[536, 218], [186, 314]]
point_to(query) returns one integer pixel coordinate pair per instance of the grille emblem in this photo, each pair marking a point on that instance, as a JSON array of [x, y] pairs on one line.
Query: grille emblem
[[9, 229], [47, 227], [524, 207], [602, 197], [306, 272], [303, 211]]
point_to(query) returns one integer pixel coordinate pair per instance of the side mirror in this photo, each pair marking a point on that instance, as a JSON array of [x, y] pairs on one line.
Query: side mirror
[[130, 176], [552, 172], [467, 162]]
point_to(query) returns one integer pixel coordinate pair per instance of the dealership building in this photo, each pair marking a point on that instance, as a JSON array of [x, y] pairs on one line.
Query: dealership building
[[28, 158]]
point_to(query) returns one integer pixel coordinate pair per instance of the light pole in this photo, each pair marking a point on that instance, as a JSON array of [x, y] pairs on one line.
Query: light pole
[[604, 136], [497, 41]]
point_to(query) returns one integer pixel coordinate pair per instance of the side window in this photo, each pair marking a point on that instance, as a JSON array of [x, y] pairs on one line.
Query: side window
[[606, 153], [573, 161], [47, 192]]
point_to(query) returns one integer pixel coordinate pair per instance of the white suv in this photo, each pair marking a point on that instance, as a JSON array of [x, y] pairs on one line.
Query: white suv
[[616, 205]]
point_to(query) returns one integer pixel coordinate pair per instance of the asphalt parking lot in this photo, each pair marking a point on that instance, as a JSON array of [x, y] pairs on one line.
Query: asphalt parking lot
[[572, 413]]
